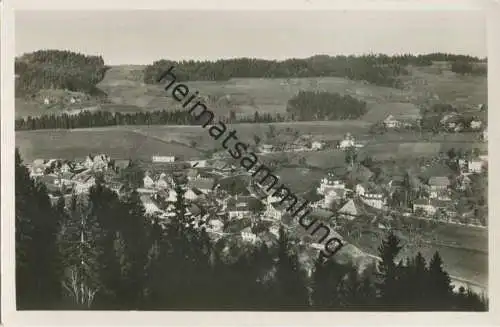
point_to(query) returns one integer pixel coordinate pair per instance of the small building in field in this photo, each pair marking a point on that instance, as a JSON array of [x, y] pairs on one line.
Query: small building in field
[[163, 158], [391, 122], [316, 145]]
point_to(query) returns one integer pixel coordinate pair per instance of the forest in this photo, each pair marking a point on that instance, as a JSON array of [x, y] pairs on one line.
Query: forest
[[377, 69], [57, 69], [102, 252], [310, 105]]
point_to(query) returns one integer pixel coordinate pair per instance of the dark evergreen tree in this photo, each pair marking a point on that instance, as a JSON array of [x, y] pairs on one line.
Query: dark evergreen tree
[[38, 262], [326, 279], [289, 291], [439, 285], [388, 273]]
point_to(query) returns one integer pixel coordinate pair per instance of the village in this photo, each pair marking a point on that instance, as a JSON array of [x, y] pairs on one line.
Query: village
[[228, 203]]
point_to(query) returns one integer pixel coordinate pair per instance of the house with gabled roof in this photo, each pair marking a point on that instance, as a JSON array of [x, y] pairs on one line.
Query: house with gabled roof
[[350, 210]]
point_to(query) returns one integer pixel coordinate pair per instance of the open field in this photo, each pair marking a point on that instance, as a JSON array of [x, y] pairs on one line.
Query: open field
[[143, 141], [117, 143]]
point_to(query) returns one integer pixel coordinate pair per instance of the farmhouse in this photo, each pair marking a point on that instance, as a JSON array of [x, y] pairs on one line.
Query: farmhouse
[[395, 114], [239, 207], [266, 148], [475, 166], [424, 205], [347, 142], [316, 145], [437, 184], [158, 158], [391, 122], [476, 124]]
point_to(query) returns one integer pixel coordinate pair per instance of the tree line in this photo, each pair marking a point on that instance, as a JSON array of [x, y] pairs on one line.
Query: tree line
[[305, 106], [102, 252], [89, 119], [469, 68], [376, 69], [57, 69]]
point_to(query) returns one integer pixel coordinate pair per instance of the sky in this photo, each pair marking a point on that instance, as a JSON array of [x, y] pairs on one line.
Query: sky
[[141, 37]]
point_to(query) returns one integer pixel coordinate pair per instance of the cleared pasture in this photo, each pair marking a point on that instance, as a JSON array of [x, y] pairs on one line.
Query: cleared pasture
[[118, 144]]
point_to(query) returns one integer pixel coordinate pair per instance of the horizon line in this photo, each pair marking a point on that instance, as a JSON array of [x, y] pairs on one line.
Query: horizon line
[[355, 55]]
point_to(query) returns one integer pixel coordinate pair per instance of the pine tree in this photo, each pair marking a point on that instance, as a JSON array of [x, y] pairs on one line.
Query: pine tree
[[133, 232], [326, 277], [388, 272], [38, 262], [104, 216], [439, 285], [289, 290]]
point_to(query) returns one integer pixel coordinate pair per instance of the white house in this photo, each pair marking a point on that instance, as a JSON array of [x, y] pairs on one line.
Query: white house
[[83, 185], [316, 145], [425, 205], [476, 124], [475, 166], [328, 184], [347, 142], [46, 101], [249, 237], [198, 163], [391, 122], [272, 212], [148, 181], [215, 225], [163, 158]]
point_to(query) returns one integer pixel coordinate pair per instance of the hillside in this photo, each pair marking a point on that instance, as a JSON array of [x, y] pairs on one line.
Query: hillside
[[126, 92]]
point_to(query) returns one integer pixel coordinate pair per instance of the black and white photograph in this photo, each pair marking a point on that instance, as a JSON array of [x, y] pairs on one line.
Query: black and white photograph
[[189, 160]]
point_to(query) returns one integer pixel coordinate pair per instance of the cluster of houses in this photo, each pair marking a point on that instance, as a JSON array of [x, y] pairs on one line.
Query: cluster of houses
[[292, 147], [348, 141], [354, 194], [67, 176]]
